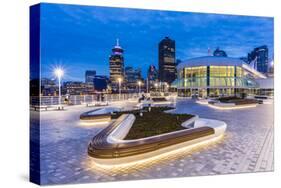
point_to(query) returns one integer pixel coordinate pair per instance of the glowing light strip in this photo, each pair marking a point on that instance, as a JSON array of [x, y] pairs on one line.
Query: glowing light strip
[[202, 102], [157, 158], [227, 107], [232, 108], [95, 122]]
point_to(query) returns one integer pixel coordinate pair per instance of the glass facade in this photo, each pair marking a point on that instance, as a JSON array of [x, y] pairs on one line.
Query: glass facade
[[195, 76], [222, 76], [239, 72], [214, 80], [222, 71]]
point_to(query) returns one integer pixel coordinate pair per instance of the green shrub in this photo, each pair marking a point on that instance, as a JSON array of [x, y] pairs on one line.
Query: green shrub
[[155, 122]]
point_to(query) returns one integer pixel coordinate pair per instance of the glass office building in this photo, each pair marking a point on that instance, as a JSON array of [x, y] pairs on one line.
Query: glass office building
[[216, 76]]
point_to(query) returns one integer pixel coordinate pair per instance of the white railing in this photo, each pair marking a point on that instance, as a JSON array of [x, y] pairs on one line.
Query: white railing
[[81, 99]]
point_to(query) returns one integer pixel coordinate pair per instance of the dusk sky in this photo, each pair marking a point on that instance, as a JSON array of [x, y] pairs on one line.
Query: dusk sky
[[80, 38]]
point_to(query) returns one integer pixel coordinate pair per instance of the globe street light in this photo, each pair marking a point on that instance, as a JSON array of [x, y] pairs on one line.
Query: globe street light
[[156, 85], [119, 81], [167, 85], [139, 83], [59, 73]]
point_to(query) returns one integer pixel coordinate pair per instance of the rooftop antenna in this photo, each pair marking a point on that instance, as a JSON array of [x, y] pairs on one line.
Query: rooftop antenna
[[117, 42]]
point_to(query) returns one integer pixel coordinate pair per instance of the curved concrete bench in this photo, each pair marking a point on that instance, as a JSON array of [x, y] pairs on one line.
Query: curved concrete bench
[[97, 103], [159, 102], [222, 105], [267, 101], [202, 101], [39, 107], [225, 105], [110, 148], [264, 99], [162, 103], [150, 103], [99, 115]]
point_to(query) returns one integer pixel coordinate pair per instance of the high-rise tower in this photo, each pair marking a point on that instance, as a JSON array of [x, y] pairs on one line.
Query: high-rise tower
[[260, 55], [167, 62], [116, 66], [89, 77]]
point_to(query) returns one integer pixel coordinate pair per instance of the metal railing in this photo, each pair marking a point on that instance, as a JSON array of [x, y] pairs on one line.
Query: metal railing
[[81, 99]]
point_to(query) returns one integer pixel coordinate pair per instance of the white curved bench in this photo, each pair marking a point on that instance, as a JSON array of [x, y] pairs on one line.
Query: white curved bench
[[99, 115], [115, 140]]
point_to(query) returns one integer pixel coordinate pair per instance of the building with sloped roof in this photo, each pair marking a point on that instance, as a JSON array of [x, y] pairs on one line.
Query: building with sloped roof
[[216, 76]]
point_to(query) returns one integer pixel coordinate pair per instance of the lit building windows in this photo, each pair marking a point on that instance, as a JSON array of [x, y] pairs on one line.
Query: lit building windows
[[222, 71], [215, 76], [239, 72], [220, 76], [195, 76]]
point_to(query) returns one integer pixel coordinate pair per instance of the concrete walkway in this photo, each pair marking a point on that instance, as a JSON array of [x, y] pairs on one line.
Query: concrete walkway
[[246, 147]]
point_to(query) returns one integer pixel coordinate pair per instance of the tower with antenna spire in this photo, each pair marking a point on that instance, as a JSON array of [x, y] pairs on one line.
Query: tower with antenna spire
[[116, 66]]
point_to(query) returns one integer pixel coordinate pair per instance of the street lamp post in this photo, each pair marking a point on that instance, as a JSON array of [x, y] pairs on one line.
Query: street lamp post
[[59, 73], [167, 85], [139, 83], [147, 85], [119, 81], [156, 85]]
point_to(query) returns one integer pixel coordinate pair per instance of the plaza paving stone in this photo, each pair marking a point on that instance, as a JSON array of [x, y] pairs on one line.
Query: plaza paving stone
[[246, 147]]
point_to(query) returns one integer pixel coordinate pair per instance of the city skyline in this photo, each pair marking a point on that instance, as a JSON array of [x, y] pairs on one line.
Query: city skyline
[[72, 38], [131, 94]]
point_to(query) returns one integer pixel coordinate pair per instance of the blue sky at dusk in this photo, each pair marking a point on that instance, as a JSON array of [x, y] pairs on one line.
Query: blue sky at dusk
[[80, 38]]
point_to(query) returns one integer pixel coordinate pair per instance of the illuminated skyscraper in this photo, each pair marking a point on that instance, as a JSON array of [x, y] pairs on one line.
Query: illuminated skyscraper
[[132, 77], [89, 77], [116, 66], [167, 62], [260, 55]]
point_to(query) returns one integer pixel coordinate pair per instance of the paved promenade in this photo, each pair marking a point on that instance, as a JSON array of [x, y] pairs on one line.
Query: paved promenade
[[246, 147]]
